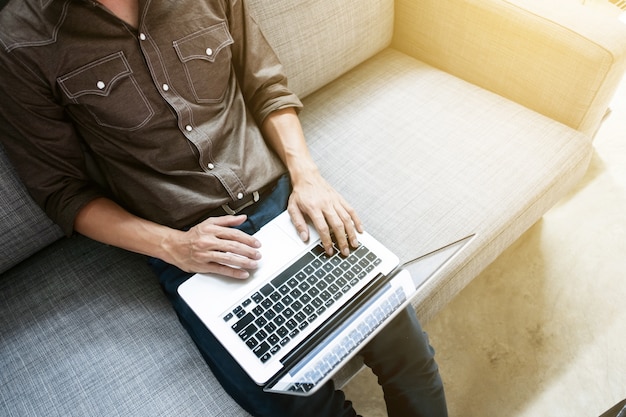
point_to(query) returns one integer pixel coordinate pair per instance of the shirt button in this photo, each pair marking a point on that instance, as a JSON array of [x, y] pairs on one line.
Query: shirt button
[[142, 36], [209, 51], [100, 85], [211, 166], [188, 128], [166, 87], [240, 196]]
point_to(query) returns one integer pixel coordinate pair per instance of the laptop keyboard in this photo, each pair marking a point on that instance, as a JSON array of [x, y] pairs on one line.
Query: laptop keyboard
[[277, 312]]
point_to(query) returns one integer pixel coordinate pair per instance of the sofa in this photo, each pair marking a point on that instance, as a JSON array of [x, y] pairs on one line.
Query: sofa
[[436, 119]]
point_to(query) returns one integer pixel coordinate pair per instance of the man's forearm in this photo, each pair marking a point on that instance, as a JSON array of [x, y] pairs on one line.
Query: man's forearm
[[312, 196], [212, 246], [105, 221], [283, 132]]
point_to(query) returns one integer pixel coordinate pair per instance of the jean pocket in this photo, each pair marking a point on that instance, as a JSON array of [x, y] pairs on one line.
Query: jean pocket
[[108, 90], [206, 60]]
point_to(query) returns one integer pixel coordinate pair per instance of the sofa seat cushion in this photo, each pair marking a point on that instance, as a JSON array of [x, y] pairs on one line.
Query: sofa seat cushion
[[87, 331], [427, 159]]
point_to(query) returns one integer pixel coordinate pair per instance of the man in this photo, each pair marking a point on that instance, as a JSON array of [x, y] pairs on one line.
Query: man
[[186, 112]]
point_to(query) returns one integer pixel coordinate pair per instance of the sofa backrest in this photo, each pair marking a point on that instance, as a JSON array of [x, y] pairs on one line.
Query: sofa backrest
[[24, 228], [319, 40]]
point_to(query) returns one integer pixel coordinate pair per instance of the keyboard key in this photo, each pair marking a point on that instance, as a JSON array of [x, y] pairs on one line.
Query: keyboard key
[[252, 343], [261, 349], [257, 297], [267, 290], [243, 323], [291, 324], [248, 332], [318, 250], [261, 335], [270, 328], [361, 251], [269, 314], [296, 293], [287, 300]]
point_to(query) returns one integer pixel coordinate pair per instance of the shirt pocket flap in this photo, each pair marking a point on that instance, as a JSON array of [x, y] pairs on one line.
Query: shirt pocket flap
[[97, 78], [204, 44]]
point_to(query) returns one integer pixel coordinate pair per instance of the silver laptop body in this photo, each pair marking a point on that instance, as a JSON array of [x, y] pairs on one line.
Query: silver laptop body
[[301, 315]]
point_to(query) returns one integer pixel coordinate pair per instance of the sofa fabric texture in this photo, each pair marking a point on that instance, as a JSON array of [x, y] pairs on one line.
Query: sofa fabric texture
[[428, 138], [24, 228], [557, 57]]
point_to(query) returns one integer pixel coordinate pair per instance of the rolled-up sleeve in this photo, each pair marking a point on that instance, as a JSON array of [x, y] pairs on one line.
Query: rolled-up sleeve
[[259, 71], [43, 144]]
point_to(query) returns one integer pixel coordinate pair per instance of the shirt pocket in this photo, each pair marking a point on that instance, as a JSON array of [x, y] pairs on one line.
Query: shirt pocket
[[206, 61], [107, 89]]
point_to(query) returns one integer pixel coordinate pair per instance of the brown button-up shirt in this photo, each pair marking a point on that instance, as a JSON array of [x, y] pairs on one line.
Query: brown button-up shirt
[[169, 111]]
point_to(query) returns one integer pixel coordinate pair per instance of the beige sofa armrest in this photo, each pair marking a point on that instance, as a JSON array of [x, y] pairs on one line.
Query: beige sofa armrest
[[561, 58]]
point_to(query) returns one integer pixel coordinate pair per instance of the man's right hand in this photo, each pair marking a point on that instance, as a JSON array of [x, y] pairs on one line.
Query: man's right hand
[[213, 246]]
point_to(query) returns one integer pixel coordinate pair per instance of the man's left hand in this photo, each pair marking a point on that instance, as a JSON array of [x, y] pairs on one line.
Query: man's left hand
[[315, 199]]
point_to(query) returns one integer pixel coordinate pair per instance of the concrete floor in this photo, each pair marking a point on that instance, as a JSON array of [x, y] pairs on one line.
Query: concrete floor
[[542, 331]]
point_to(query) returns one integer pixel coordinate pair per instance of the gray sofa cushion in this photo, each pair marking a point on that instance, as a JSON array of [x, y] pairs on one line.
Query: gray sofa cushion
[[24, 228], [87, 331]]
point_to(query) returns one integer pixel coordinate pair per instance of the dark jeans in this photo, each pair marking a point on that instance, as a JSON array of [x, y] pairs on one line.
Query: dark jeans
[[399, 355]]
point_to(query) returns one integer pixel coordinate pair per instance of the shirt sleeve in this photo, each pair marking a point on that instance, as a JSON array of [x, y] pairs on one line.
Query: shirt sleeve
[[43, 144], [259, 71]]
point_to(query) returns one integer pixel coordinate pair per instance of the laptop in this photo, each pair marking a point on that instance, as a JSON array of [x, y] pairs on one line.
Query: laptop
[[301, 315]]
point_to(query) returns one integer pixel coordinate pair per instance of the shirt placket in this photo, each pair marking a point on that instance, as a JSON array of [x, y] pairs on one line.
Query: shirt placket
[[158, 70]]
